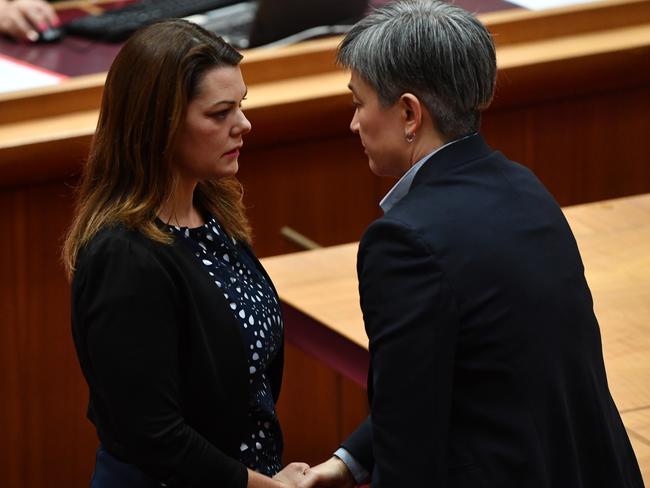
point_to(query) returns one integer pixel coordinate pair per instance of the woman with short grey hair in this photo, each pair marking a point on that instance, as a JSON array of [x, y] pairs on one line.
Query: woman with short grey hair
[[436, 51], [485, 355]]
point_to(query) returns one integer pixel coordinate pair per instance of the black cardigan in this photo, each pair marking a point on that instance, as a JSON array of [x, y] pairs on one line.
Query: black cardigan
[[164, 359]]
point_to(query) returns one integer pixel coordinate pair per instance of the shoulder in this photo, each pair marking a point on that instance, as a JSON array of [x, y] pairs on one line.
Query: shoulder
[[393, 237], [116, 242], [393, 225], [122, 254]]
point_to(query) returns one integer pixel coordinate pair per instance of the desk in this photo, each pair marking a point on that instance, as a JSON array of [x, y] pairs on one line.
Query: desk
[[319, 289], [73, 56]]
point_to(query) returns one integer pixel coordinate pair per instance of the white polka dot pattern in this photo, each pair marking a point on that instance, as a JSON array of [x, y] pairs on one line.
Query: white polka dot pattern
[[255, 305]]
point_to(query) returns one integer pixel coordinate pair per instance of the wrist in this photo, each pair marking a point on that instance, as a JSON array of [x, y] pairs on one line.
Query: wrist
[[257, 480], [344, 473]]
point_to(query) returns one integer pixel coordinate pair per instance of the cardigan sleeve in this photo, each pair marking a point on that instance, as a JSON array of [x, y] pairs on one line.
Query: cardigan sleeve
[[127, 314]]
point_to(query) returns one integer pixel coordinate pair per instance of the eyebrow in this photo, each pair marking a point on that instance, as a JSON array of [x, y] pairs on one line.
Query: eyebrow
[[229, 102], [354, 93]]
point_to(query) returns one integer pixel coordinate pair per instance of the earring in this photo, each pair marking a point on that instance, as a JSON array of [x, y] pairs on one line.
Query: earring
[[410, 137]]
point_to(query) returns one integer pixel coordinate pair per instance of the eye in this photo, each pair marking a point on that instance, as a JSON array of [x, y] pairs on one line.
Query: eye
[[222, 114]]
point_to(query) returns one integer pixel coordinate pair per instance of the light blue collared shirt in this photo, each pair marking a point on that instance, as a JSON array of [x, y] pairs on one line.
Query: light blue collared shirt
[[402, 187], [359, 473]]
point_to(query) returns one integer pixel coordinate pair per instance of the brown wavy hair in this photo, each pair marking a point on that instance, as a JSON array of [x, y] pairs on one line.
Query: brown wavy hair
[[129, 173]]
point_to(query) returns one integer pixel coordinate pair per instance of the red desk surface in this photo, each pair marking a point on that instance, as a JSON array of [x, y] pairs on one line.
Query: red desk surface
[[73, 56]]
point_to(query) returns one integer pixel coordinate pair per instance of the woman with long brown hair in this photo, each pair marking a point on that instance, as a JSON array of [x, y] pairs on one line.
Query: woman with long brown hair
[[177, 326]]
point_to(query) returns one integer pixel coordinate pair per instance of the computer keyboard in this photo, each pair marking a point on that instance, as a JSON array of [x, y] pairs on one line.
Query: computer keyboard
[[116, 25]]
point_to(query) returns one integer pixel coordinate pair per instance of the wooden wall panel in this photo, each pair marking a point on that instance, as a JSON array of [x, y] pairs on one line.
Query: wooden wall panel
[[321, 188], [318, 408], [353, 407], [583, 148], [307, 408], [44, 437]]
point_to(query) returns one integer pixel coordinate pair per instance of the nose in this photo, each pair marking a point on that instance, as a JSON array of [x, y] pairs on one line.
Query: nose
[[243, 125], [354, 124]]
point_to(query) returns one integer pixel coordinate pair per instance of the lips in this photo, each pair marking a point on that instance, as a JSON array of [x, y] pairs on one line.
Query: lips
[[234, 151]]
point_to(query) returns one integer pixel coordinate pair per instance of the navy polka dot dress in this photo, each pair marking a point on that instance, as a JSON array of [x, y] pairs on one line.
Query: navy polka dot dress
[[254, 304]]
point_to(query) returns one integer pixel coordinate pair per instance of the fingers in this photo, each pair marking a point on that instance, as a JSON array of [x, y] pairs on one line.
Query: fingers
[[299, 468], [333, 473], [18, 27], [39, 13], [22, 19], [293, 475], [49, 14], [33, 15]]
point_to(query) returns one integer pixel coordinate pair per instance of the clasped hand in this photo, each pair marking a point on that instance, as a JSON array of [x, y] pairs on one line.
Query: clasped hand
[[333, 473]]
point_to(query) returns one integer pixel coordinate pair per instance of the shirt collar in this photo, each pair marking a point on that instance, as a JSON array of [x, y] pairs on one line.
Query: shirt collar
[[402, 187]]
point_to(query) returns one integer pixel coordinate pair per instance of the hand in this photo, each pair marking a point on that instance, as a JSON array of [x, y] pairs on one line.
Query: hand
[[333, 473], [22, 19], [293, 475]]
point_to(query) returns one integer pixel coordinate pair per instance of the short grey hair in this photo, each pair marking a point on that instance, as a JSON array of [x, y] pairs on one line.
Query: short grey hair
[[439, 52]]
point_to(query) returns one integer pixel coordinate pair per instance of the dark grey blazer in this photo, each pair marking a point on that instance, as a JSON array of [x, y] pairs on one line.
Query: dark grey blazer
[[487, 367]]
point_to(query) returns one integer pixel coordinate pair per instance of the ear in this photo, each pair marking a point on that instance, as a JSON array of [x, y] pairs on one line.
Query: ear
[[412, 113]]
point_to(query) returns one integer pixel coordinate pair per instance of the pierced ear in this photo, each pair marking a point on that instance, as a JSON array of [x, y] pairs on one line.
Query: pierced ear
[[411, 112]]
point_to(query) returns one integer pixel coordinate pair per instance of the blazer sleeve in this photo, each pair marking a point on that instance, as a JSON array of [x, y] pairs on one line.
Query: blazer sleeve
[[129, 315], [359, 445], [410, 316]]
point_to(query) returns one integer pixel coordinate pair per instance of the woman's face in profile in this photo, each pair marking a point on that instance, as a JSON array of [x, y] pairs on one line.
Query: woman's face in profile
[[380, 129], [212, 134]]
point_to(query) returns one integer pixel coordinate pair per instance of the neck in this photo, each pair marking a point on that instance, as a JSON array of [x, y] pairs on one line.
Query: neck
[[179, 209]]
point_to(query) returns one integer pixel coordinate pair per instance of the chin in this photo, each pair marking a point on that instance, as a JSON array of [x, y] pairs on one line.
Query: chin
[[377, 169], [373, 167], [386, 168], [230, 170]]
